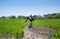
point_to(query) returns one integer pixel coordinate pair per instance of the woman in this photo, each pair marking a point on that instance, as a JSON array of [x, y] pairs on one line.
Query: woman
[[30, 18]]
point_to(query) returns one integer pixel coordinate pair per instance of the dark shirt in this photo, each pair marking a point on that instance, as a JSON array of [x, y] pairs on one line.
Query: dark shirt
[[30, 19]]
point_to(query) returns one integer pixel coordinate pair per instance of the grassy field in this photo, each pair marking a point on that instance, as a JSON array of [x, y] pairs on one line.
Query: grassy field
[[12, 27], [49, 23], [53, 23], [15, 26]]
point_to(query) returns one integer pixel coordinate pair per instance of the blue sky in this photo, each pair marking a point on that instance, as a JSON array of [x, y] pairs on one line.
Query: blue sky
[[27, 7]]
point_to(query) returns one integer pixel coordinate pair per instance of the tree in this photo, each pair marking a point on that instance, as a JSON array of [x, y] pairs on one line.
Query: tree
[[21, 17], [13, 17], [35, 16], [52, 16], [24, 17], [58, 15], [3, 17], [40, 17]]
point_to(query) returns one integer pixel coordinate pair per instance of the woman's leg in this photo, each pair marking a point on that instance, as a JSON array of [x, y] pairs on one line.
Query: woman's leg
[[30, 25]]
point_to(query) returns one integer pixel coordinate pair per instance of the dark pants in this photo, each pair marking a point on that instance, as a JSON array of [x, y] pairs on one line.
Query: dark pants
[[30, 24]]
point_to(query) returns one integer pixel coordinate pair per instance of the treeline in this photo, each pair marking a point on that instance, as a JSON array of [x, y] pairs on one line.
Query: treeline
[[52, 16], [48, 16], [13, 17]]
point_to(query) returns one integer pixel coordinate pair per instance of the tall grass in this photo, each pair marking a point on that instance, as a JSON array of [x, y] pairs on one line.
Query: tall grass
[[53, 23], [15, 26], [12, 27], [49, 23]]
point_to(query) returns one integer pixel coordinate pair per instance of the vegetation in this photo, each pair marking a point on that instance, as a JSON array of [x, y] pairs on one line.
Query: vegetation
[[14, 27], [48, 16], [52, 16], [49, 23]]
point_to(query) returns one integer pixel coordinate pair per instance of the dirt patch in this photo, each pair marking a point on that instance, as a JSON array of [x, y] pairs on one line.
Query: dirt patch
[[39, 33], [35, 33]]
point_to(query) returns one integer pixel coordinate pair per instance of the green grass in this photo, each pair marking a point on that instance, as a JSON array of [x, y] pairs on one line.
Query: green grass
[[15, 26], [50, 23], [53, 23], [12, 27]]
